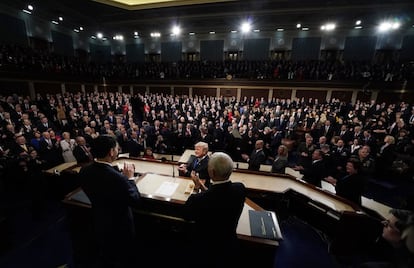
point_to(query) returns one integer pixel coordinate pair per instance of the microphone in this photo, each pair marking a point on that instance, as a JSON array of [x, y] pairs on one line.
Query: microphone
[[172, 160]]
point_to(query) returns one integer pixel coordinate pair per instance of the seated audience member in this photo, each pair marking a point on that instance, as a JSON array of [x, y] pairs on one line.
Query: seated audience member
[[257, 157], [352, 185], [112, 194], [198, 167], [216, 213], [394, 248], [148, 153], [81, 152], [281, 160]]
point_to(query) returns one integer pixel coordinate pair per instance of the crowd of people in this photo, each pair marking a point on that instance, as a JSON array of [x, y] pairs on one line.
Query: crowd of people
[[62, 127], [342, 143], [16, 58]]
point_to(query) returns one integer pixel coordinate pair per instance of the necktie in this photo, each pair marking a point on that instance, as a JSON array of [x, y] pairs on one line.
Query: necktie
[[196, 163], [24, 147]]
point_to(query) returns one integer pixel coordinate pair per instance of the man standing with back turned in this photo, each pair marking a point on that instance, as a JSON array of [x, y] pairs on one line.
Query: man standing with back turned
[[216, 213], [111, 194]]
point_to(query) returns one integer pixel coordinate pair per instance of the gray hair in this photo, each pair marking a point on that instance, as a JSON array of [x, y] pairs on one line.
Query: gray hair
[[222, 166], [204, 145]]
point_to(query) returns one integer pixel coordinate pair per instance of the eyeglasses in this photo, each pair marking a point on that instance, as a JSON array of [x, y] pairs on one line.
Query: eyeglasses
[[387, 224]]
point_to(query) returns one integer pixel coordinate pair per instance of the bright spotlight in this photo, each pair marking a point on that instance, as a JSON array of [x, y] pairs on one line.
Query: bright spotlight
[[60, 18], [99, 35], [358, 22], [176, 30], [298, 25], [395, 25], [385, 26], [245, 28], [29, 7]]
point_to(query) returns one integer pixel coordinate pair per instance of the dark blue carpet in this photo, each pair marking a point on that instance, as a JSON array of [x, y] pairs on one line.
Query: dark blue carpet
[[302, 246]]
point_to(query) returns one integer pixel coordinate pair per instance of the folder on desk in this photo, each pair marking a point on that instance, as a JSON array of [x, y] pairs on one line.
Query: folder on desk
[[262, 225], [81, 197]]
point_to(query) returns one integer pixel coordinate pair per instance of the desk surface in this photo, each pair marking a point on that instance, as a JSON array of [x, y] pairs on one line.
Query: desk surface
[[60, 168], [161, 187], [262, 182]]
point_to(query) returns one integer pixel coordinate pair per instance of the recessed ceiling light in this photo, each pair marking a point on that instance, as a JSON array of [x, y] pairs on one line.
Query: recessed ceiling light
[[29, 7], [298, 25], [60, 18], [233, 31], [27, 11], [212, 32], [358, 22], [256, 30], [358, 27], [191, 33], [76, 30], [55, 22], [305, 29], [280, 29], [81, 28]]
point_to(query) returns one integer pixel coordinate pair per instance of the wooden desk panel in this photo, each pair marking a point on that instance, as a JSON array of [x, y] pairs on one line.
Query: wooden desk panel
[[280, 185]]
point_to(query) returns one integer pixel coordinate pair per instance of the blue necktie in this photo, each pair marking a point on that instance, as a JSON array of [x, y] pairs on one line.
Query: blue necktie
[[195, 162]]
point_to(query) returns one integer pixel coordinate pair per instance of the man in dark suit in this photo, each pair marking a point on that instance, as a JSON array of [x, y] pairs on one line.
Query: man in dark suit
[[257, 157], [197, 168], [81, 152], [327, 130], [112, 194], [134, 145], [352, 185], [216, 213], [317, 171]]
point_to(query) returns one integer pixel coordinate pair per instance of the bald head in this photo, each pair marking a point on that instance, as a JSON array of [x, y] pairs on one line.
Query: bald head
[[220, 167]]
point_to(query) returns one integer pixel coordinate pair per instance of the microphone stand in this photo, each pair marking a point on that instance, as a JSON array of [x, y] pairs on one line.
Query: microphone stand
[[172, 161]]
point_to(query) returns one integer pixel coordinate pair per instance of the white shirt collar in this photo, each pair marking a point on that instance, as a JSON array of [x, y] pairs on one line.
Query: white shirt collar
[[103, 162], [219, 182]]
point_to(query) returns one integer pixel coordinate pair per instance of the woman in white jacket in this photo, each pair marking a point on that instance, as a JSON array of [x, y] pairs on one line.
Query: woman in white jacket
[[67, 145]]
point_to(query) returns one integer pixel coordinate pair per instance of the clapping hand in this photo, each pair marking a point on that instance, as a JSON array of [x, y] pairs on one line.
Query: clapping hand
[[128, 170]]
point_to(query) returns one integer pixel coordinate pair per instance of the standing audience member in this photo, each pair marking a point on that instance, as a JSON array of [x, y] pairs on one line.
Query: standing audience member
[[112, 195], [216, 213], [281, 160], [257, 157], [352, 185], [67, 145], [81, 152], [316, 171]]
